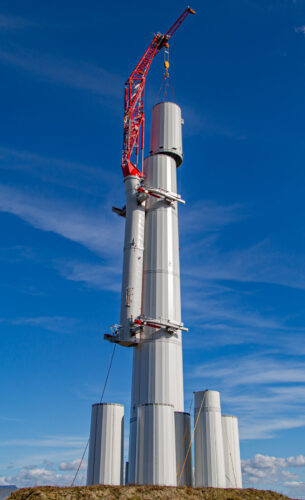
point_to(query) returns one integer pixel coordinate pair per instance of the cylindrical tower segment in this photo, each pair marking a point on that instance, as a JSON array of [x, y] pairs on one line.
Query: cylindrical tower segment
[[156, 455], [184, 469], [166, 134], [106, 444], [231, 451], [157, 361], [133, 260], [161, 285], [209, 453]]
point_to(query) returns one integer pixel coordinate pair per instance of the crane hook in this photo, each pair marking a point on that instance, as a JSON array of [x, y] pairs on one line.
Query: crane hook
[[166, 60]]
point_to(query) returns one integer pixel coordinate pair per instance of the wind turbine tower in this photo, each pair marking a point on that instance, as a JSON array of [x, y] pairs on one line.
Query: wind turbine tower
[[150, 322]]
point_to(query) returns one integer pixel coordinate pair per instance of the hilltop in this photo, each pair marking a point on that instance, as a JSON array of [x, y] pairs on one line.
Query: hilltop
[[142, 492]]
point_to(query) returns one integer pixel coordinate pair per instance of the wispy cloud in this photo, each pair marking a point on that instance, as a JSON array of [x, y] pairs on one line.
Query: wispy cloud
[[93, 229], [78, 75], [78, 176], [58, 324], [264, 390], [208, 216], [205, 258], [102, 277], [300, 29], [8, 22], [197, 124], [253, 370], [260, 263], [56, 441], [10, 419]]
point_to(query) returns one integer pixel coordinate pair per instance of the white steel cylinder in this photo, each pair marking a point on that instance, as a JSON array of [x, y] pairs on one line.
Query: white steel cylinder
[[184, 467], [106, 445], [157, 360], [166, 133], [132, 451], [209, 452], [231, 451], [161, 290], [133, 260], [156, 454]]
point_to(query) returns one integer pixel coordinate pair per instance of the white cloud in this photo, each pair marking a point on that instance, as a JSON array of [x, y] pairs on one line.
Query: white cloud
[[298, 484], [102, 277], [40, 476], [262, 462], [72, 465], [269, 470], [54, 473], [96, 230]]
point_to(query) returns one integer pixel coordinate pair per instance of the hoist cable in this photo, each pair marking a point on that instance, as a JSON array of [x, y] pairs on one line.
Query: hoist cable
[[104, 388]]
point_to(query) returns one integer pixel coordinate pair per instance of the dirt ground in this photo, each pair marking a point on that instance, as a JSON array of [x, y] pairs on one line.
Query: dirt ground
[[141, 492]]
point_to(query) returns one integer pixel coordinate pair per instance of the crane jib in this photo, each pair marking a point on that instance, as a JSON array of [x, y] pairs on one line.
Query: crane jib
[[134, 116]]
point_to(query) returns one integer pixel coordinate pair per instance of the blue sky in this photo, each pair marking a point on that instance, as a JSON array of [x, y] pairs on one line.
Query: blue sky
[[238, 71]]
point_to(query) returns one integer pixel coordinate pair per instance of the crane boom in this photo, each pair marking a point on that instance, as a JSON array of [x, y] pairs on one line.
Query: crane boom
[[134, 116]]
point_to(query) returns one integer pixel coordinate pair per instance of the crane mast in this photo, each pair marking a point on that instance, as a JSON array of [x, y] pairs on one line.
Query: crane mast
[[134, 114]]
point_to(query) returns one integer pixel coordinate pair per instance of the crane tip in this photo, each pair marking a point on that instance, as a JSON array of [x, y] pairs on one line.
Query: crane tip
[[191, 11]]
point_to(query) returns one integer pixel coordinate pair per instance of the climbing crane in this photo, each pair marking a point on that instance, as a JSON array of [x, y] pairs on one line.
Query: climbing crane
[[134, 115], [127, 333]]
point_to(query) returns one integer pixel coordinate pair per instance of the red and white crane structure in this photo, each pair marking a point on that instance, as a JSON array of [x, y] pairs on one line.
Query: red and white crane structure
[[134, 113], [131, 319]]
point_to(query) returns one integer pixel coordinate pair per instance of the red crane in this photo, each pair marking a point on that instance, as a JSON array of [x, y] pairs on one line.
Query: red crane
[[134, 117]]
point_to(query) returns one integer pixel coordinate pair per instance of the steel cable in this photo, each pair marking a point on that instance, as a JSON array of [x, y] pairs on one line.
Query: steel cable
[[191, 440], [104, 388]]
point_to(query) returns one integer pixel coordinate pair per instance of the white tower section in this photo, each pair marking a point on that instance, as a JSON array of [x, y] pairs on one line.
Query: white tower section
[[157, 360], [209, 452], [156, 458], [184, 467], [106, 456], [133, 260], [231, 451]]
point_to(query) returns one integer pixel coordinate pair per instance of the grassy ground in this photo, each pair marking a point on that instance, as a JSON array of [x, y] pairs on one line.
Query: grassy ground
[[141, 492]]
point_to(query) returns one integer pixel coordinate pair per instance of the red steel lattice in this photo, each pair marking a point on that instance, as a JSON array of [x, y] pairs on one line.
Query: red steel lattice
[[134, 115]]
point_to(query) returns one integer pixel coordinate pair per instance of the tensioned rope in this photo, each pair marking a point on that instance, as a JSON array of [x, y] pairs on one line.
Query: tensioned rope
[[104, 388], [184, 438], [191, 441]]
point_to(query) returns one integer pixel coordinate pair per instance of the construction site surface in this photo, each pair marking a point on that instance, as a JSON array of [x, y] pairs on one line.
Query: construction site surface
[[142, 492]]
